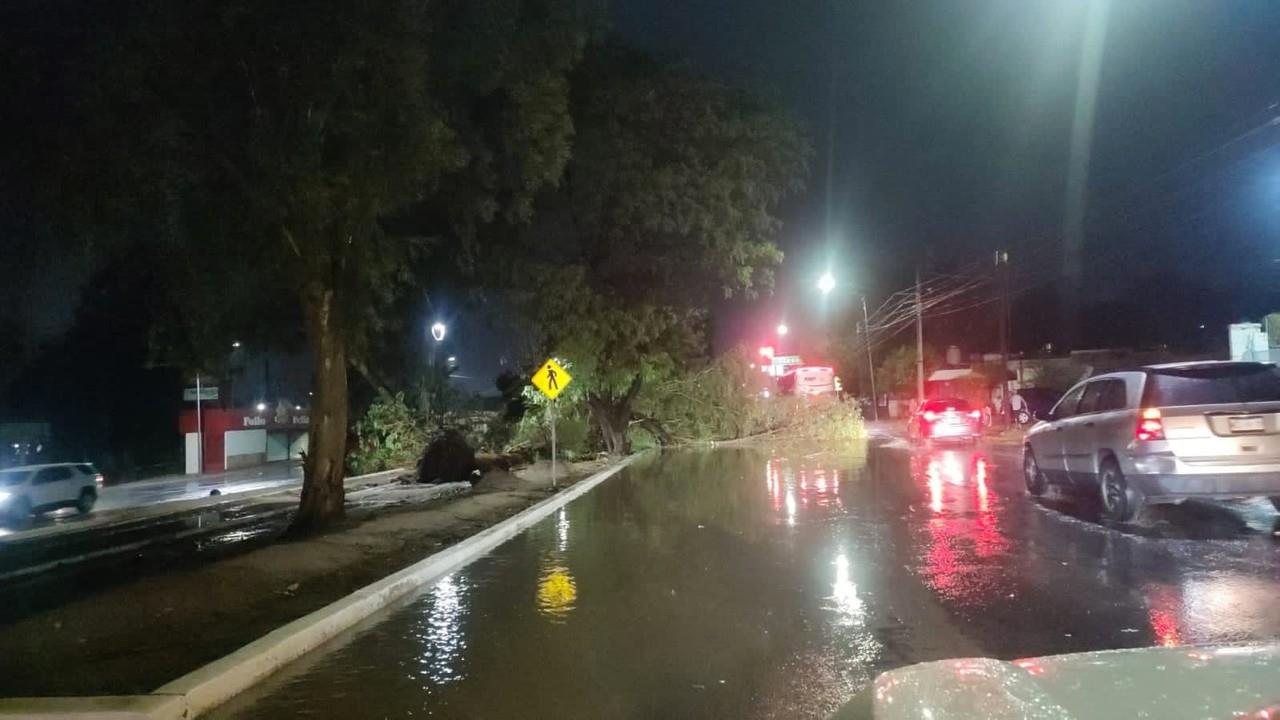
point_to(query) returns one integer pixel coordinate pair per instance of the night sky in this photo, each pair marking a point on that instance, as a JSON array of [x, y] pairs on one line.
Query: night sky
[[952, 123]]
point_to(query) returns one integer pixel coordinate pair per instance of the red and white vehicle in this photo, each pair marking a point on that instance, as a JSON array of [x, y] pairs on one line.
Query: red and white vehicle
[[946, 419], [808, 380]]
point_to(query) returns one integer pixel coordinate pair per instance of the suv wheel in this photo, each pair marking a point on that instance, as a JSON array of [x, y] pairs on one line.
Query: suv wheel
[[88, 497], [1031, 473], [1119, 503]]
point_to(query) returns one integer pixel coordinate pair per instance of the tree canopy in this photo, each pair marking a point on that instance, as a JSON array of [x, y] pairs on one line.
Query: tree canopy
[[668, 203], [301, 157]]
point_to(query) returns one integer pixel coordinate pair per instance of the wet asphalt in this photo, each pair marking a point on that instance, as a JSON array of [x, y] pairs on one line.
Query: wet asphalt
[[766, 584]]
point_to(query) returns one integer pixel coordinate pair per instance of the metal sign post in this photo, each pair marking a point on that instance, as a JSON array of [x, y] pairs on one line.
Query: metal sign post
[[551, 413], [551, 380]]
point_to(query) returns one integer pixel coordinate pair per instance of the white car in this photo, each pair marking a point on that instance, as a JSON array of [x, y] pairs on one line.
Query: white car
[[41, 488], [1169, 683]]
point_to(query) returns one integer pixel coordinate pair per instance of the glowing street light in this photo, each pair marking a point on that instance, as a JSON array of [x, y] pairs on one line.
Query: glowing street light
[[452, 360], [827, 282], [262, 407], [783, 330], [437, 331], [235, 345]]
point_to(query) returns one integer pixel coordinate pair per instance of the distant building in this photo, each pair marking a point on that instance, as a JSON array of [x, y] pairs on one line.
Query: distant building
[[1248, 341], [237, 437]]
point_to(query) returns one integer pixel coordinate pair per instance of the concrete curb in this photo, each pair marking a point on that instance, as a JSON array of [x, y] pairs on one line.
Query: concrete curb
[[201, 690]]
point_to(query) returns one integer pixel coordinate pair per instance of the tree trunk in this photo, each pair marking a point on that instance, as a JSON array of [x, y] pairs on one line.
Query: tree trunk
[[613, 416], [325, 466], [612, 419]]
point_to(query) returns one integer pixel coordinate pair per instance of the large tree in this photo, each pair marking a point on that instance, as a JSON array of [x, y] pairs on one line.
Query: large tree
[[668, 204], [292, 161]]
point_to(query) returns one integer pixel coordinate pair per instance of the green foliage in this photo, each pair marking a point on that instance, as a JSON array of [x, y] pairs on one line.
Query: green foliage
[[668, 203], [820, 418], [897, 371], [643, 438], [716, 401], [722, 401], [824, 419], [573, 431], [434, 394], [390, 435]]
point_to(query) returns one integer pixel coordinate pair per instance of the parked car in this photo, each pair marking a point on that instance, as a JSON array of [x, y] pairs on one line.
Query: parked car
[[1163, 433], [1170, 683], [947, 419], [41, 488]]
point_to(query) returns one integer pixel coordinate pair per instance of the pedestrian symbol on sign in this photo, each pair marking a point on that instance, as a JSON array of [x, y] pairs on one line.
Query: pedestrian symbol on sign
[[551, 379]]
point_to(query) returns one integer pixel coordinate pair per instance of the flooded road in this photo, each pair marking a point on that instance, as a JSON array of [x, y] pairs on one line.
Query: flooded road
[[747, 583]]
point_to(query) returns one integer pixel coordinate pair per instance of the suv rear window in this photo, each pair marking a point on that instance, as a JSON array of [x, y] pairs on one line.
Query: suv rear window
[[1214, 384]]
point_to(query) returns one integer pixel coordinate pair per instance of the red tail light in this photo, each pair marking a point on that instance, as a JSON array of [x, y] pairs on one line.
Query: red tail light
[[1150, 426], [930, 416], [975, 414], [98, 479]]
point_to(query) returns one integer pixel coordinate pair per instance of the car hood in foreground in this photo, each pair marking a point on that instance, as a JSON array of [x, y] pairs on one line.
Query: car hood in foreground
[[1165, 683]]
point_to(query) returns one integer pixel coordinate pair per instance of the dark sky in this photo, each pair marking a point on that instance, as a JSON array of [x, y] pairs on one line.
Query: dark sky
[[952, 123]]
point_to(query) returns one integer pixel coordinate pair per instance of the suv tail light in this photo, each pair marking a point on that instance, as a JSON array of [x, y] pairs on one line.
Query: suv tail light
[[975, 414], [1150, 426], [98, 479], [930, 416]]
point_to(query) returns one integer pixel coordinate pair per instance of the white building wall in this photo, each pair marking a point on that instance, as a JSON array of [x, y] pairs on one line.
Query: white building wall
[[1249, 342], [243, 448]]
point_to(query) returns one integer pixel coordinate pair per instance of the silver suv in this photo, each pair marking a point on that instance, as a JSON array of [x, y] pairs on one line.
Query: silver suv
[[41, 488], [1163, 433]]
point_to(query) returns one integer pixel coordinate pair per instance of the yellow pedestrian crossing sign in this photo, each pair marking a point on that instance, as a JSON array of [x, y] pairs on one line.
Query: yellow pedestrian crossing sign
[[551, 379]]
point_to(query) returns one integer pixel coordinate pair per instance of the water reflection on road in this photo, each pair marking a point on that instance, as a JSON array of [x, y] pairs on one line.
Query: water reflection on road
[[757, 584]]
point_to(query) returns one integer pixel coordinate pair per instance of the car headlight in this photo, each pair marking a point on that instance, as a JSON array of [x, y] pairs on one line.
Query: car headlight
[[4, 496]]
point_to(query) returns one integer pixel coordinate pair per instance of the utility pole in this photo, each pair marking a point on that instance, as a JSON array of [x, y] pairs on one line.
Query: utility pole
[[919, 343], [1002, 270], [199, 429], [871, 368]]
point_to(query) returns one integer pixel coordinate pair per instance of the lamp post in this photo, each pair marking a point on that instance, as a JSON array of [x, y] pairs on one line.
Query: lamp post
[[438, 331], [827, 283]]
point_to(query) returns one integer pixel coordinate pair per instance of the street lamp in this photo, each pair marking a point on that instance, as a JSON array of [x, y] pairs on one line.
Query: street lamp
[[783, 330], [827, 282], [437, 331]]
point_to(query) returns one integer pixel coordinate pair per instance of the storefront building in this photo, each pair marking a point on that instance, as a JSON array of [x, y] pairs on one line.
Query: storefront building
[[237, 438]]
